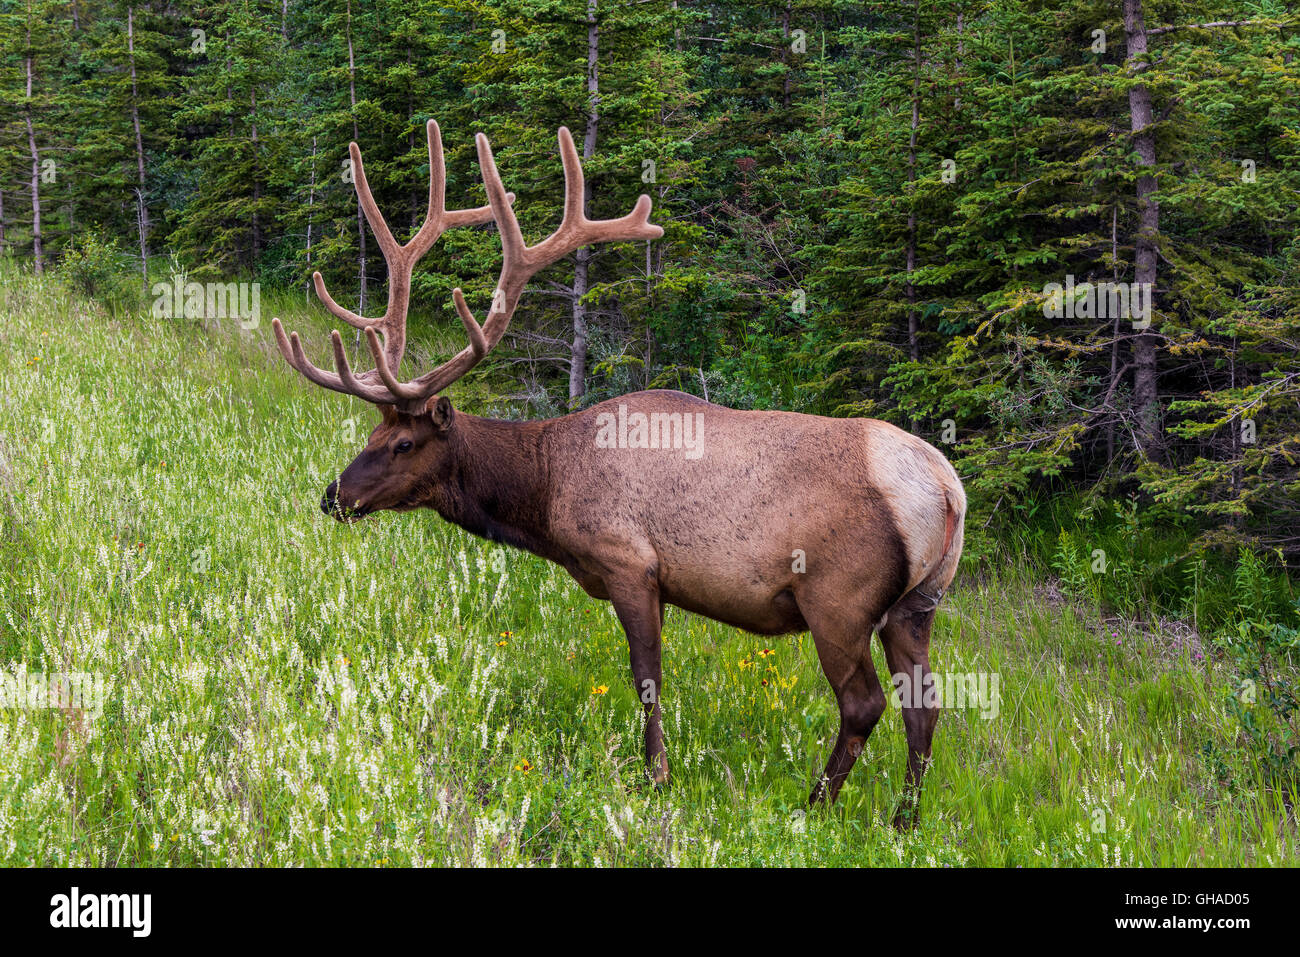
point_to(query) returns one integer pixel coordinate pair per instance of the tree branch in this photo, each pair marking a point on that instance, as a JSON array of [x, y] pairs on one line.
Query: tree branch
[[1204, 26]]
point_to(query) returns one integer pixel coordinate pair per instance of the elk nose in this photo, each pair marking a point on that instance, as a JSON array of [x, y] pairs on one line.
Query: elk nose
[[330, 503]]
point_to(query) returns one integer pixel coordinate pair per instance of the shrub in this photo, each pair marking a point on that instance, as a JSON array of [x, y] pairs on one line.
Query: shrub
[[95, 267]]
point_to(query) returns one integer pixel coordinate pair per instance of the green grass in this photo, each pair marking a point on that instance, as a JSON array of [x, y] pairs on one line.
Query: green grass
[[283, 689]]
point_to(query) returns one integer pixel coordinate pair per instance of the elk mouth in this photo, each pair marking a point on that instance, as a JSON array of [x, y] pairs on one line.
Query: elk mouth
[[342, 514], [331, 506]]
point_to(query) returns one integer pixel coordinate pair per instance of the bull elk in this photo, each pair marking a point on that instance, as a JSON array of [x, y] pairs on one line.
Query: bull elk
[[773, 522]]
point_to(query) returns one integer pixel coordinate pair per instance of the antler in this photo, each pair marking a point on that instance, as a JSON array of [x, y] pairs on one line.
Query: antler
[[374, 386], [519, 262]]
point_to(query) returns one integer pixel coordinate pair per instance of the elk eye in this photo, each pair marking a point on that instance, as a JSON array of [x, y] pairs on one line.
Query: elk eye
[[404, 446]]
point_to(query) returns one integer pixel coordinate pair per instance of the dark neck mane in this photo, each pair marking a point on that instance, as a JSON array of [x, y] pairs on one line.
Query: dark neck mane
[[498, 483]]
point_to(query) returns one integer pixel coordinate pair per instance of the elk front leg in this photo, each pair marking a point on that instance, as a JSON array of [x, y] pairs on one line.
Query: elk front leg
[[641, 613], [861, 702]]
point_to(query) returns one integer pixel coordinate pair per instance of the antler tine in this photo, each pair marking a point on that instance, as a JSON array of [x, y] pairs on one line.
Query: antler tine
[[291, 349], [513, 249], [434, 224], [378, 225], [437, 191], [347, 315], [478, 344], [358, 387], [399, 264], [574, 183], [401, 390], [576, 230]]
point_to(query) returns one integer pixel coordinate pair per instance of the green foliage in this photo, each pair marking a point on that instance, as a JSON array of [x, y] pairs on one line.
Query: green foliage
[[863, 205], [1262, 653], [93, 267]]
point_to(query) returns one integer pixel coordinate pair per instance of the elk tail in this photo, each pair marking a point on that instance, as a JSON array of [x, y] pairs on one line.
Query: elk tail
[[954, 522]]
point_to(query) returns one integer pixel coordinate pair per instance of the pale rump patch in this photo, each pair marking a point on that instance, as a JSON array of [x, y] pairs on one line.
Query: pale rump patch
[[922, 493]]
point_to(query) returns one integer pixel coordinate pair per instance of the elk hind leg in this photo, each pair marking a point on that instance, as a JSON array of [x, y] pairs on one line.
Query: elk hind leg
[[906, 638]]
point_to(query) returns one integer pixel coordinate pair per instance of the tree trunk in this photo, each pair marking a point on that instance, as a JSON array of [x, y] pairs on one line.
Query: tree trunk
[[142, 213], [257, 182], [913, 322], [960, 65], [311, 203], [38, 242], [1234, 431], [356, 136], [1114, 344], [785, 58], [1145, 373], [581, 272], [414, 195]]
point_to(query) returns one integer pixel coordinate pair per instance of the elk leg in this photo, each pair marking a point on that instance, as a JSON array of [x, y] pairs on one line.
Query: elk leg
[[906, 637], [845, 655], [641, 613]]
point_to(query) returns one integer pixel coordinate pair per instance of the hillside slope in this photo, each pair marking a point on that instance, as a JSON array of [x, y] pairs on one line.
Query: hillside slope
[[282, 689]]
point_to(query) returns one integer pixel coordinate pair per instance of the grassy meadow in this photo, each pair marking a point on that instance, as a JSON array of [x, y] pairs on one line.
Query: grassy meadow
[[282, 689]]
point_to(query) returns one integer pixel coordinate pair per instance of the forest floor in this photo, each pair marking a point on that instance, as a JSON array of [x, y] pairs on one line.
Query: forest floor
[[282, 689]]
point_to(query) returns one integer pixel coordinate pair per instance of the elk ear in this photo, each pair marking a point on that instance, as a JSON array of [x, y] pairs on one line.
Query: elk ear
[[441, 412], [389, 412]]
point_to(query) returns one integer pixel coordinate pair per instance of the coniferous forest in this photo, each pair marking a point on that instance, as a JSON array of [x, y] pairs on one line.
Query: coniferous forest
[[1057, 239], [863, 203]]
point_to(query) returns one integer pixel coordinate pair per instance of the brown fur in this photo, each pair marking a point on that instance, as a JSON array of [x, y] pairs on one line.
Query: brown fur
[[876, 513]]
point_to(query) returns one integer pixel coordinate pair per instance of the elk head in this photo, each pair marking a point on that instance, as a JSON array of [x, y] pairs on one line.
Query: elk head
[[407, 453]]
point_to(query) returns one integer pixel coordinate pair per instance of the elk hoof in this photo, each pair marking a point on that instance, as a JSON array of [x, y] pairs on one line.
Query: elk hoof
[[658, 771], [906, 819]]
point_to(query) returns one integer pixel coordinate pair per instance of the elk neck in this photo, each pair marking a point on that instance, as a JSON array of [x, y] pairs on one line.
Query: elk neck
[[496, 483]]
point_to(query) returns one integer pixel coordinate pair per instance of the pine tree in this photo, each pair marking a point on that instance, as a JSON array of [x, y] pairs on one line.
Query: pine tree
[[123, 100], [233, 109]]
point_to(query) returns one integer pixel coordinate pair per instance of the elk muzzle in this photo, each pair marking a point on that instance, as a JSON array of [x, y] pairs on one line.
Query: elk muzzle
[[329, 502], [330, 505]]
